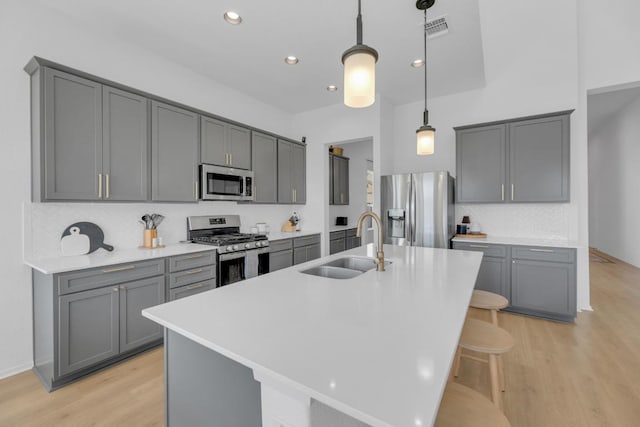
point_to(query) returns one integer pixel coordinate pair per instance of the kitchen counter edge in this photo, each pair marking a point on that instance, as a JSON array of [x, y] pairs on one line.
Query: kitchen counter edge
[[519, 241]]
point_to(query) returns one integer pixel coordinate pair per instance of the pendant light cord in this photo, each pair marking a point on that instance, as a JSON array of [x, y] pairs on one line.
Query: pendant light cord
[[359, 25], [426, 113]]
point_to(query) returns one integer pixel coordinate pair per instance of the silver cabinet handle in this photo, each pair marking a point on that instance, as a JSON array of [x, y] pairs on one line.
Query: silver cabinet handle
[[108, 189], [99, 186], [195, 256], [123, 288], [116, 289], [113, 270], [197, 189], [512, 190], [199, 270], [478, 246], [230, 159], [196, 286], [502, 192], [542, 250]]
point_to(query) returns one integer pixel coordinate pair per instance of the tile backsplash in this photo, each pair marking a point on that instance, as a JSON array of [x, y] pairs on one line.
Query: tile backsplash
[[45, 222], [539, 220]]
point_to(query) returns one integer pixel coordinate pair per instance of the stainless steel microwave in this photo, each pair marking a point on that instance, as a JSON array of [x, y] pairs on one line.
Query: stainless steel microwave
[[221, 183]]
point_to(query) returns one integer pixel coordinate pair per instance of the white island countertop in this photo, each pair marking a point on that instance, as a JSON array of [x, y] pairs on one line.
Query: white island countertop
[[377, 347]]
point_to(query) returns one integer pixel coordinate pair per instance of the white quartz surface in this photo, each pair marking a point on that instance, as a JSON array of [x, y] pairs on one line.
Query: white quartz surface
[[100, 258], [279, 235], [502, 240], [377, 347]]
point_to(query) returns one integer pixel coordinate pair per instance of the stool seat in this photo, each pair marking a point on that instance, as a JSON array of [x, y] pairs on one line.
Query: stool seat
[[488, 300], [485, 337], [462, 407]]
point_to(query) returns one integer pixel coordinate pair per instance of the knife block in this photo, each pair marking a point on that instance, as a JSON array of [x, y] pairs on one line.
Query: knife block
[[148, 236], [287, 226]]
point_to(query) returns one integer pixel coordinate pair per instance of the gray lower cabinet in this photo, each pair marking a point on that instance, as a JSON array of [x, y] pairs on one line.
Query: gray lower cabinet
[[351, 239], [224, 144], [306, 248], [264, 158], [343, 240], [339, 180], [514, 161], [174, 153], [543, 282], [494, 270], [280, 254], [291, 172], [87, 319], [191, 274]]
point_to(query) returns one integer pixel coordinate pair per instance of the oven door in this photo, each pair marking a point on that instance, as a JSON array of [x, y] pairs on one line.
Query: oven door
[[220, 183], [231, 268]]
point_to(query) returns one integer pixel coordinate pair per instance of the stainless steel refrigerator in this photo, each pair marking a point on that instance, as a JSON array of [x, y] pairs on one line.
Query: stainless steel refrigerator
[[418, 209]]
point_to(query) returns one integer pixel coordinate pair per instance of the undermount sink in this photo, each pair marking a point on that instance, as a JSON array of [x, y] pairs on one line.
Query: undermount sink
[[344, 268]]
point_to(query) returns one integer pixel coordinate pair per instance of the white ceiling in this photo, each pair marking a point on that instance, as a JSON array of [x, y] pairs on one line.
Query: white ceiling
[[603, 106], [250, 57]]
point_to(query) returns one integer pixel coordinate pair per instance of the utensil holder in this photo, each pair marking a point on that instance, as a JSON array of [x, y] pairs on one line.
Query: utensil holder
[[148, 236]]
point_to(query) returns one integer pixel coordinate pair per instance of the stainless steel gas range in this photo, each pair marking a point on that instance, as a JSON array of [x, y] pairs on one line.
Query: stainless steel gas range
[[240, 255]]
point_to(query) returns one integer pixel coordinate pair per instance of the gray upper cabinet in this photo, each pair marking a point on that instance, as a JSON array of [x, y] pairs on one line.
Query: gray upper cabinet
[[481, 164], [291, 172], [514, 161], [224, 144], [125, 147], [265, 168], [174, 153], [72, 149], [539, 160], [339, 180]]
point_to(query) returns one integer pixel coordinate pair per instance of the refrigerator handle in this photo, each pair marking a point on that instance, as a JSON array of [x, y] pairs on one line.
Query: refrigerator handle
[[412, 213]]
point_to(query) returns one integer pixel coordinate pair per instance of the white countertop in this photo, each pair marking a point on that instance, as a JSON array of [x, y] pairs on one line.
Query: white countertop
[[524, 241], [377, 347], [279, 235], [341, 227], [100, 258]]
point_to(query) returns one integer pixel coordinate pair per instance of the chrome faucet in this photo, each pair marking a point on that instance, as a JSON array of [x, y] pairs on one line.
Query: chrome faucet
[[380, 256]]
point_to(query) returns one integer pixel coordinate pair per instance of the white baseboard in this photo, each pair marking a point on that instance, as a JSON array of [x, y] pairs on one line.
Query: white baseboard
[[15, 370]]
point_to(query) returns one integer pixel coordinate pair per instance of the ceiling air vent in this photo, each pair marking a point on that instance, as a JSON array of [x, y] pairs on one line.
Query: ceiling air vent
[[437, 27]]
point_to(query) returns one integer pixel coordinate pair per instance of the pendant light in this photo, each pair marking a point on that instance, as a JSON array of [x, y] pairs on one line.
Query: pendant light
[[425, 135], [359, 71]]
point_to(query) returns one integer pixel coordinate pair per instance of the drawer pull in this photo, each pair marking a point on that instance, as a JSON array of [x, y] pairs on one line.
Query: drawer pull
[[196, 286], [113, 270], [478, 246], [550, 251], [196, 256], [199, 270]]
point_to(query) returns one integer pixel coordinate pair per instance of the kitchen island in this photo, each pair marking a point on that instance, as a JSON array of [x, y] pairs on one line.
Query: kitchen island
[[293, 349]]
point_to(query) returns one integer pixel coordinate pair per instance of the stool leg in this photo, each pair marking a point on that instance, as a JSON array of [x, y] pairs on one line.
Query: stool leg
[[494, 317], [496, 396], [456, 362], [501, 372]]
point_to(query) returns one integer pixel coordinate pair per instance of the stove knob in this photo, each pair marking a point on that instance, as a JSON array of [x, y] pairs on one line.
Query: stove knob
[[229, 248], [258, 244], [247, 245], [235, 247]]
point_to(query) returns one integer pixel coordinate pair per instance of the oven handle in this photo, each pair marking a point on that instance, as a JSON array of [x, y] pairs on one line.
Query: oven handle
[[234, 255]]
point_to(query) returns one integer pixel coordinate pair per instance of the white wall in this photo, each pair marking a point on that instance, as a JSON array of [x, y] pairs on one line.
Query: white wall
[[614, 178], [27, 30]]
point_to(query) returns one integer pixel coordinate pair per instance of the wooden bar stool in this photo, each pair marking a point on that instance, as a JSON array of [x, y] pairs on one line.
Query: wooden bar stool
[[489, 301], [462, 407], [483, 337]]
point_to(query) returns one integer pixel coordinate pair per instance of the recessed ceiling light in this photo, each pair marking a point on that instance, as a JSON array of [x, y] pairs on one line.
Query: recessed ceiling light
[[291, 60], [232, 17], [417, 63], [332, 88]]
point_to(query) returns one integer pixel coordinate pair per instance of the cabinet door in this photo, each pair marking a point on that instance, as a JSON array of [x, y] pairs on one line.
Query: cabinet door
[[299, 255], [280, 260], [313, 252], [344, 184], [72, 137], [493, 276], [298, 173], [88, 328], [539, 160], [125, 145], [331, 181], [239, 147], [481, 164], [545, 288], [213, 148], [136, 330], [174, 153], [336, 246], [285, 189], [265, 168]]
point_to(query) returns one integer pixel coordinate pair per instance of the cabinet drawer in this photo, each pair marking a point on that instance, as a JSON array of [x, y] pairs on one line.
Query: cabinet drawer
[[188, 290], [537, 253], [188, 277], [306, 241], [280, 245], [108, 275], [335, 235], [499, 251], [281, 259], [352, 232], [189, 261]]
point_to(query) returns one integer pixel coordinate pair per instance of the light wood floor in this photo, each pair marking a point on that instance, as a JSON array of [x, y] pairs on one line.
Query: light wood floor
[[587, 374]]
